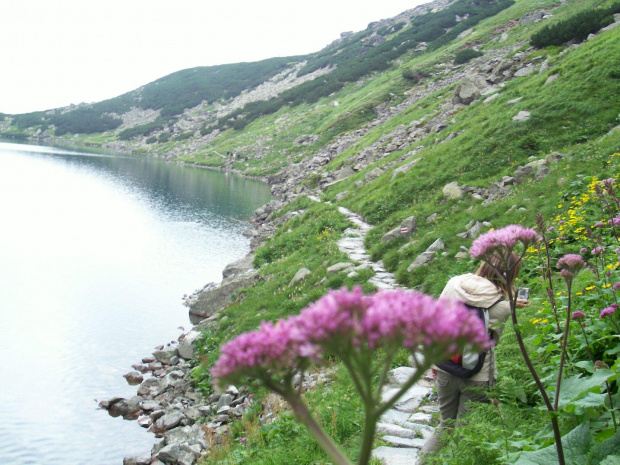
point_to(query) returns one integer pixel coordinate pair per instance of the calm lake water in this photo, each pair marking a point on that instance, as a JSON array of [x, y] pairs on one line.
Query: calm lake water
[[96, 252]]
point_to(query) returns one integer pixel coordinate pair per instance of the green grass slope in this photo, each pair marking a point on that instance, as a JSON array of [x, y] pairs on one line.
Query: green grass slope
[[573, 114], [574, 111]]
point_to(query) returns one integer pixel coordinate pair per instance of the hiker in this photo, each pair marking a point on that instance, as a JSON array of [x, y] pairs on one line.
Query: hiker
[[489, 295]]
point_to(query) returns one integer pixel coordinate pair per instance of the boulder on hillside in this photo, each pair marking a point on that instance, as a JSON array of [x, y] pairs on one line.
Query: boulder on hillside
[[530, 18], [427, 256], [405, 168], [374, 174], [338, 267], [452, 191], [344, 173], [405, 230], [239, 267], [522, 116], [469, 89], [214, 298], [300, 276]]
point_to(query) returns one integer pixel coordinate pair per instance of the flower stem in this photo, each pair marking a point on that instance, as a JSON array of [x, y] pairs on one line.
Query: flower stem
[[370, 428], [564, 342], [324, 441], [554, 420], [546, 271], [587, 343]]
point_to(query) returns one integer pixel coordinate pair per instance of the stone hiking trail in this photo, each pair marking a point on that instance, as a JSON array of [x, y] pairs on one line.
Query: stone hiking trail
[[407, 426]]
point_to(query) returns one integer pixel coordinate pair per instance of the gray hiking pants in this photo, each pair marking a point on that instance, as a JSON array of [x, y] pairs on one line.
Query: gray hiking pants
[[453, 393]]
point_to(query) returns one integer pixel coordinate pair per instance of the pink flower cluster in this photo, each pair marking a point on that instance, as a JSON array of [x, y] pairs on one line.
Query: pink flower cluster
[[503, 240], [608, 183], [607, 311], [598, 250], [578, 315], [614, 221], [272, 347], [344, 319], [572, 263]]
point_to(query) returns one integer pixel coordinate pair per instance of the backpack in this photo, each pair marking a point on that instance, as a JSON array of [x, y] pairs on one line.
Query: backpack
[[468, 363]]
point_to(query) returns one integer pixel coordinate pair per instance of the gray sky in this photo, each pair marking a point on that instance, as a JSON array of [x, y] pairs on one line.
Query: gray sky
[[58, 52]]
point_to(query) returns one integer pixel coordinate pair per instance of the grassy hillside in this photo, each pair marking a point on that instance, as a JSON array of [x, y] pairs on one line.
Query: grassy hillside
[[573, 114], [343, 135]]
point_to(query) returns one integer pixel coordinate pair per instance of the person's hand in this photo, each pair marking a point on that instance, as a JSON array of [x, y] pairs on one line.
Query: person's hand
[[523, 303]]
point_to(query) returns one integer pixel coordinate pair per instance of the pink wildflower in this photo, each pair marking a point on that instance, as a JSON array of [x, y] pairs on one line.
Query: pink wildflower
[[415, 319], [503, 240], [552, 228], [274, 347], [336, 314], [583, 250], [614, 221], [578, 315], [598, 250], [342, 319], [614, 305], [561, 222], [616, 287], [600, 224], [607, 311], [571, 262], [608, 182]]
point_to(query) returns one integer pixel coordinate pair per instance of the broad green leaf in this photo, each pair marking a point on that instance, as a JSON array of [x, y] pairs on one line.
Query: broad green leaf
[[576, 445], [576, 387], [590, 400], [613, 351], [611, 460], [587, 365], [604, 450]]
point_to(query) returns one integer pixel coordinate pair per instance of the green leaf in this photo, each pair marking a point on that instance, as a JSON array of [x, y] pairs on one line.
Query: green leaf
[[604, 450], [613, 351], [590, 400], [576, 387], [576, 444], [587, 365], [611, 460]]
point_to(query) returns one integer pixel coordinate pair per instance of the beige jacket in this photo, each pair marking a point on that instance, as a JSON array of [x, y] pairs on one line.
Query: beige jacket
[[480, 292]]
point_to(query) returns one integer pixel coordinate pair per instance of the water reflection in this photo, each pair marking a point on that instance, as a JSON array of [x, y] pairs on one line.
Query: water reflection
[[95, 254]]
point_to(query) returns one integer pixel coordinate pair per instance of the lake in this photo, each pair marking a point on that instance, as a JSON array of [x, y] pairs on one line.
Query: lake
[[96, 253]]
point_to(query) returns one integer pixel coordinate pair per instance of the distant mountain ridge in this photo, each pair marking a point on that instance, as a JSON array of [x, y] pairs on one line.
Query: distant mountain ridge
[[199, 87]]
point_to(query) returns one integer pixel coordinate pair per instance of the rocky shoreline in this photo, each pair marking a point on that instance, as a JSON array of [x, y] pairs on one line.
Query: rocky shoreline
[[166, 401]]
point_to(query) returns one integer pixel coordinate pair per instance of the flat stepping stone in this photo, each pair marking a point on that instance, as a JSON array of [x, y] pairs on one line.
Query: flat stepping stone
[[381, 285], [395, 417], [395, 430], [425, 431], [410, 401], [396, 441], [421, 418], [399, 376], [395, 455]]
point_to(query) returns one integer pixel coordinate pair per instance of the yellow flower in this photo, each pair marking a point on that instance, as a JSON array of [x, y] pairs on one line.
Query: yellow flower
[[589, 288], [559, 293], [606, 286], [537, 320], [545, 321], [578, 293]]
